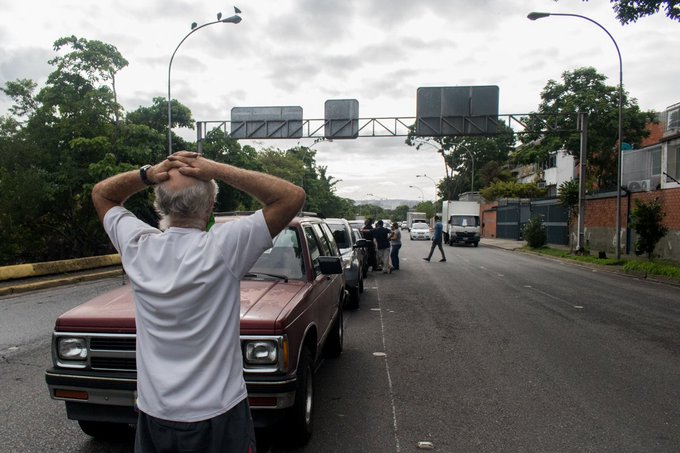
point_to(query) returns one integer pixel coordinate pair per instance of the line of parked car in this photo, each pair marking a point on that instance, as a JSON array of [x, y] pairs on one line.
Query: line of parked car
[[292, 303]]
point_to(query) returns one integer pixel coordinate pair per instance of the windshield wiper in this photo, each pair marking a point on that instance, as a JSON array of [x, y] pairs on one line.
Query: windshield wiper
[[258, 274]]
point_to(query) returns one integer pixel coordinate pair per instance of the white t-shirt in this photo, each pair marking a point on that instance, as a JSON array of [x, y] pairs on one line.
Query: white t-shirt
[[186, 286]]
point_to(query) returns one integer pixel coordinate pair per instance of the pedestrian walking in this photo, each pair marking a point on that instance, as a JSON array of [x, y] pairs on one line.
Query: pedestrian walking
[[437, 240], [186, 289]]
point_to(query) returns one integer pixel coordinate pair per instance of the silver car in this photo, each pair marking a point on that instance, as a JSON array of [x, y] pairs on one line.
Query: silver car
[[352, 262]]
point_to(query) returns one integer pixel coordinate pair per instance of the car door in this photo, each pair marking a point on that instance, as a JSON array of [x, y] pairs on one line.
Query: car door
[[332, 291]]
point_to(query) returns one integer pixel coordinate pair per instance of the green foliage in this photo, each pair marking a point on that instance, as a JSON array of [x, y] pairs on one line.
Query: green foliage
[[511, 189], [653, 268], [568, 195], [647, 221], [460, 154], [628, 11], [583, 90], [534, 233], [399, 213]]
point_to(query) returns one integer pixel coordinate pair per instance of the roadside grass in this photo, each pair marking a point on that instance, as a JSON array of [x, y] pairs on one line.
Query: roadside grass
[[648, 268]]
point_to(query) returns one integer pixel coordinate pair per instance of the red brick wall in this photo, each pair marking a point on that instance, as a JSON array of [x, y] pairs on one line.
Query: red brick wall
[[601, 213]]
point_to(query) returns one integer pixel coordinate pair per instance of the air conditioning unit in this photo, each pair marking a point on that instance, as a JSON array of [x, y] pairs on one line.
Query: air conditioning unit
[[643, 185]]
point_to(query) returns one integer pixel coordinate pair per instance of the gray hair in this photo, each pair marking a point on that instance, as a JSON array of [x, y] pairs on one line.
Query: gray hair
[[190, 203]]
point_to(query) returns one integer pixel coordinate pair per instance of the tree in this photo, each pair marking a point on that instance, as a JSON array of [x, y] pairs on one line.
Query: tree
[[459, 153], [583, 90], [628, 11], [511, 189], [534, 233], [568, 194], [647, 220]]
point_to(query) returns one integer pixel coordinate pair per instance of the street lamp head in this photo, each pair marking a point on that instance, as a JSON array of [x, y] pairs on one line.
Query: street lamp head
[[235, 19], [536, 15]]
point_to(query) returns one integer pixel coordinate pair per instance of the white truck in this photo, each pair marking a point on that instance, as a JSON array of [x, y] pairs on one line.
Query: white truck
[[415, 217], [460, 220]]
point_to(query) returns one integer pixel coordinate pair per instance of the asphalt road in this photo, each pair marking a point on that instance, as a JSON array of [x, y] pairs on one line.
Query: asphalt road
[[490, 351]]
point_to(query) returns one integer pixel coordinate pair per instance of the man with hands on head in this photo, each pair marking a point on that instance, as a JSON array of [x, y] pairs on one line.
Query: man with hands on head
[[186, 288]]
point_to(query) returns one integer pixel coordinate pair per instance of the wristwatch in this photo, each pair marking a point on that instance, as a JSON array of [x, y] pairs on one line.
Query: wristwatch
[[144, 177]]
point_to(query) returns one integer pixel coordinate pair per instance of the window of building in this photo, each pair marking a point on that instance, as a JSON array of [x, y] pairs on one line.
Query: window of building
[[655, 157], [673, 166]]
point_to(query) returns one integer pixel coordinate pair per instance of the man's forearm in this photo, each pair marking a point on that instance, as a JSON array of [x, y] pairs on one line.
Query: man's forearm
[[115, 190], [282, 200]]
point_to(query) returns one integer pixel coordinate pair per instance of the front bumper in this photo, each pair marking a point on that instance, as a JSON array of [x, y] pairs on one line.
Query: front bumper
[[109, 398]]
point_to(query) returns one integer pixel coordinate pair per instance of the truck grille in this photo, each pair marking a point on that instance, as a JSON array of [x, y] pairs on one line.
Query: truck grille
[[113, 352]]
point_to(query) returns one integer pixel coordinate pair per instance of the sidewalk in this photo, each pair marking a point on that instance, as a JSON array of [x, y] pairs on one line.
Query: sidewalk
[[510, 244]]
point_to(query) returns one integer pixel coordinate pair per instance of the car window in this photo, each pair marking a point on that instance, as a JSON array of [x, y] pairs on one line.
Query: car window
[[314, 249], [331, 240], [420, 225], [324, 247], [341, 234], [283, 258]]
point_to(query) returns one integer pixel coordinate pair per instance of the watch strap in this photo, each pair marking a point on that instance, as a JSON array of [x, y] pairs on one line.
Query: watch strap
[[144, 176]]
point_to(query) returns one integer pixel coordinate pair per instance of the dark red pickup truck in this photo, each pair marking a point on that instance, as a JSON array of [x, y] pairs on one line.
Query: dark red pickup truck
[[291, 314]]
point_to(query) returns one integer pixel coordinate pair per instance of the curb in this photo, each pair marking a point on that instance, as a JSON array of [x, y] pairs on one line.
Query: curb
[[60, 281], [57, 267]]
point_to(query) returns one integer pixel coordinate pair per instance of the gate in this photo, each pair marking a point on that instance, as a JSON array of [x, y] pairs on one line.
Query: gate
[[555, 219], [513, 214]]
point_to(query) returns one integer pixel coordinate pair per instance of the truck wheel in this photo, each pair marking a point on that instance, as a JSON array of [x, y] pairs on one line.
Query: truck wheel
[[300, 417], [335, 337], [361, 284], [476, 244], [353, 300], [106, 430]]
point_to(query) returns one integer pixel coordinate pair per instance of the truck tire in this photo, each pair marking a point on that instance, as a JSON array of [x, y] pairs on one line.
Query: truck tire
[[476, 244], [334, 343], [361, 284], [300, 416], [106, 430]]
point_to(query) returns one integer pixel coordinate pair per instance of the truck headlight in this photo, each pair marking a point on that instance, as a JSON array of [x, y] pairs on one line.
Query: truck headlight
[[261, 352], [72, 348]]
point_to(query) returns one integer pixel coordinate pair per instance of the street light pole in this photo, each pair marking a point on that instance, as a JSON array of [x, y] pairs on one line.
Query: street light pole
[[235, 19], [433, 182], [422, 194], [537, 15]]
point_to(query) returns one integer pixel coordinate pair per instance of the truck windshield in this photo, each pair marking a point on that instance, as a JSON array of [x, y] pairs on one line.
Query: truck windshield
[[465, 220], [284, 259]]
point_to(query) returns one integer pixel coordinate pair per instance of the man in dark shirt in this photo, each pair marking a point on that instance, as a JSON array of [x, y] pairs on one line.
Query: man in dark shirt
[[382, 242], [437, 240], [367, 233]]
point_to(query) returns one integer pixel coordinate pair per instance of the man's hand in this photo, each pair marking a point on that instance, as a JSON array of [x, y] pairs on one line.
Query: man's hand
[[159, 172], [195, 165]]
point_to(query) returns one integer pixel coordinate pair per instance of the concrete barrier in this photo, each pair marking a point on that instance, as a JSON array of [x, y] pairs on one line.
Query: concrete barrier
[[57, 267]]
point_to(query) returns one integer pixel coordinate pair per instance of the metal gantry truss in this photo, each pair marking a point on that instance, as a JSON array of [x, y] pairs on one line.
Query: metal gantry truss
[[380, 126]]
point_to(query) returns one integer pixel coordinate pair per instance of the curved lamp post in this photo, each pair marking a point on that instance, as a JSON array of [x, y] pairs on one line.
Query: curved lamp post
[[433, 182], [469, 153], [235, 19], [422, 194], [537, 15]]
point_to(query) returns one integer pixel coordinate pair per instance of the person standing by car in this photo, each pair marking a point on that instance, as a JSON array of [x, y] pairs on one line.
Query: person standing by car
[[395, 245], [382, 244], [186, 288], [367, 233], [437, 240]]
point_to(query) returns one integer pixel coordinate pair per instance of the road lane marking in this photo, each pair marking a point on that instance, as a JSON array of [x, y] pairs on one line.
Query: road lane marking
[[389, 378], [559, 299]]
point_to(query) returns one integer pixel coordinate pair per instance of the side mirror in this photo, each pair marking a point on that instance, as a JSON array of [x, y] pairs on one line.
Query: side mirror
[[330, 265], [361, 243]]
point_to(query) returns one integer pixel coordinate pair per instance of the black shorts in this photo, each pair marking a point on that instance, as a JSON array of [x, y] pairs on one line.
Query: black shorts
[[230, 432]]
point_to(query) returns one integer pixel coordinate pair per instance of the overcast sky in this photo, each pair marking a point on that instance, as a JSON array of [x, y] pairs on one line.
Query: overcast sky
[[303, 52]]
